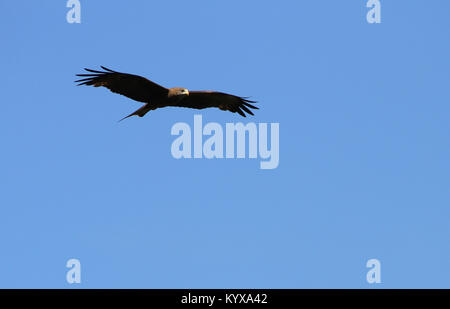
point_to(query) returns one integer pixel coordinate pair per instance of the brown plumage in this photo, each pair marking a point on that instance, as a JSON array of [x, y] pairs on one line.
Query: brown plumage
[[155, 96]]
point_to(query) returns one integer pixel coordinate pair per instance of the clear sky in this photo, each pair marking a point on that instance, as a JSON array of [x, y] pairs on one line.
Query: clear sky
[[364, 172]]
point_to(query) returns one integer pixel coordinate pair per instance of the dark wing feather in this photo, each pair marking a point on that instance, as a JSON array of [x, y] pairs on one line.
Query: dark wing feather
[[132, 86], [224, 101]]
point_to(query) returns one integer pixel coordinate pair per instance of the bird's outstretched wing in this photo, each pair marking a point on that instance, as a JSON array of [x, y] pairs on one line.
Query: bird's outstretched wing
[[224, 101], [132, 86]]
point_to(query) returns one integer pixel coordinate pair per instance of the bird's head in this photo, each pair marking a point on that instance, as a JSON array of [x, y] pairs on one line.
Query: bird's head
[[183, 91], [178, 91]]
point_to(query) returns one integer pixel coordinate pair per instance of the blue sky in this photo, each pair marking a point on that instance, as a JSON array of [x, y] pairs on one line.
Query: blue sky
[[364, 165]]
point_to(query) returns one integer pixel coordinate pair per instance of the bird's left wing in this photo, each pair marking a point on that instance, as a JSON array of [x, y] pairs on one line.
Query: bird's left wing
[[224, 101], [132, 86]]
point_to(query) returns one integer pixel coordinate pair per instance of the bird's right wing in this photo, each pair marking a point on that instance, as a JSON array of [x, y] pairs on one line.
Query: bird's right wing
[[132, 86], [224, 101]]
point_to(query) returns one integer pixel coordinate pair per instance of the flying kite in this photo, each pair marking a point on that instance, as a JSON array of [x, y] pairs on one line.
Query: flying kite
[[155, 96]]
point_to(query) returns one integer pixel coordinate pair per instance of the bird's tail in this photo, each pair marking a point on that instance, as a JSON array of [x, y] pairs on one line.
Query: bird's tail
[[140, 112]]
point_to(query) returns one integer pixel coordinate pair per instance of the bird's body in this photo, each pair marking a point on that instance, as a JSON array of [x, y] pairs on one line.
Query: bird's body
[[155, 96]]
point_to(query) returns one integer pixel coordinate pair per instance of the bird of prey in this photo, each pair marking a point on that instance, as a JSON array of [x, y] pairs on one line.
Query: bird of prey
[[155, 96]]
